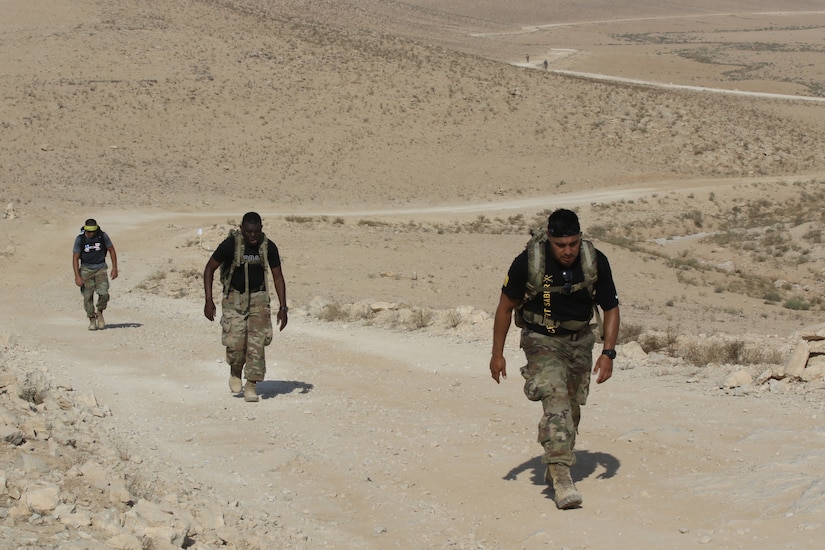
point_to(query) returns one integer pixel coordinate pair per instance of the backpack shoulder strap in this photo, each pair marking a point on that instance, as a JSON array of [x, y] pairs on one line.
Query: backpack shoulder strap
[[589, 264], [535, 263], [590, 267], [228, 269], [264, 251]]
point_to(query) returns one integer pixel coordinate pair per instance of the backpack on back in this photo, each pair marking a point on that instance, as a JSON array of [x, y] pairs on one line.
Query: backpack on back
[[228, 268], [536, 265]]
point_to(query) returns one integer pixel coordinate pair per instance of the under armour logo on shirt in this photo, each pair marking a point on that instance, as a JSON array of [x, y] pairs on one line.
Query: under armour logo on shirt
[[97, 247]]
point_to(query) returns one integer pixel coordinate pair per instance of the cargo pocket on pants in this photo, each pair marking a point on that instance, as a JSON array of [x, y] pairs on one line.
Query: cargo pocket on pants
[[232, 337], [531, 390]]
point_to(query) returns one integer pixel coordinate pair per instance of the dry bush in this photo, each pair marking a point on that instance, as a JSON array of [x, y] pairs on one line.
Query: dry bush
[[797, 303], [299, 219], [733, 352], [333, 311], [714, 352], [659, 342], [419, 318], [152, 282], [452, 318], [34, 388], [629, 332], [174, 282], [360, 312]]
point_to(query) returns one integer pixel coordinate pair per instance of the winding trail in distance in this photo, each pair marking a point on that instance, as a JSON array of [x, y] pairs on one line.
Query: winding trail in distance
[[557, 53]]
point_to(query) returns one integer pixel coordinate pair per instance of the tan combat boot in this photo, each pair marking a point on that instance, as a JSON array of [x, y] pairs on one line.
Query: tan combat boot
[[249, 392], [101, 324], [92, 323], [566, 494], [235, 384]]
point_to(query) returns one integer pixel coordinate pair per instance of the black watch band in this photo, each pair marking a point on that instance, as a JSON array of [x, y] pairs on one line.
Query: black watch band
[[611, 353]]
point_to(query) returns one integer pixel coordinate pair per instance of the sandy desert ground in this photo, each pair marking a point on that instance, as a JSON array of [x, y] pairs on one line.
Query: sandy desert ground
[[399, 153]]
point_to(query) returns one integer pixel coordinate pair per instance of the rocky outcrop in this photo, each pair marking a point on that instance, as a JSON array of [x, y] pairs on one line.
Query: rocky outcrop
[[807, 360], [67, 480]]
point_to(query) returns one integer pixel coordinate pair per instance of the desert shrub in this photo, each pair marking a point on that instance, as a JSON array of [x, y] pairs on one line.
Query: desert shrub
[[360, 312], [813, 236], [752, 356], [152, 281], [683, 263], [629, 332], [733, 352], [597, 232], [372, 223], [701, 355], [453, 318], [772, 296], [333, 311], [419, 318], [652, 342], [34, 388], [695, 216], [797, 303], [659, 342]]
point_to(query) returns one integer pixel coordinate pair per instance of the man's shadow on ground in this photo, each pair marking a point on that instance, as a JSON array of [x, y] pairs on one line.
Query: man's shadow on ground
[[267, 389], [121, 325], [586, 465]]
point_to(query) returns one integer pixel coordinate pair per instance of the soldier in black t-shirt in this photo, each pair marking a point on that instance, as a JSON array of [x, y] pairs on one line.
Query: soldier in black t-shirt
[[244, 258], [552, 288]]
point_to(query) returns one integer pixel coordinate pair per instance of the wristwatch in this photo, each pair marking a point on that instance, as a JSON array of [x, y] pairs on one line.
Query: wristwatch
[[611, 353]]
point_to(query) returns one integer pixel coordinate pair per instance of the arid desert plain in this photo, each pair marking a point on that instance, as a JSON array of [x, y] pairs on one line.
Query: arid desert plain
[[399, 154]]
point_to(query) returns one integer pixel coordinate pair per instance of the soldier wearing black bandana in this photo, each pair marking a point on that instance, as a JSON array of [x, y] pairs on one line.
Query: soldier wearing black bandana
[[551, 290]]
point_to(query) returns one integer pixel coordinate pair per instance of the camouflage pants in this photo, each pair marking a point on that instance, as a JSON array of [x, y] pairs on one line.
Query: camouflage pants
[[246, 321], [94, 281], [557, 373]]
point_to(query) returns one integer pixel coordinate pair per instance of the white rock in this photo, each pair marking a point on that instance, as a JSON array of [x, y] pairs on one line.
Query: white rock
[[630, 350], [738, 379], [43, 499], [796, 362]]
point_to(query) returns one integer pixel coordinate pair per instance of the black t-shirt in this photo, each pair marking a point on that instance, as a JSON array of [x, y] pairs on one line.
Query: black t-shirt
[[576, 306], [225, 254]]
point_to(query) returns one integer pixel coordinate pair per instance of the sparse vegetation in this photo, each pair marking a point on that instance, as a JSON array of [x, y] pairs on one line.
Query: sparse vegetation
[[333, 311], [629, 332], [797, 303]]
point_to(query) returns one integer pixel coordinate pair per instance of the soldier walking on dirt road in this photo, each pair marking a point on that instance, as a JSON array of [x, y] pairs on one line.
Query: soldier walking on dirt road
[[90, 270], [552, 290], [246, 317]]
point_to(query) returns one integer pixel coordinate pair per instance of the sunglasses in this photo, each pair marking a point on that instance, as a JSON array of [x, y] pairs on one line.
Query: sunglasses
[[567, 275]]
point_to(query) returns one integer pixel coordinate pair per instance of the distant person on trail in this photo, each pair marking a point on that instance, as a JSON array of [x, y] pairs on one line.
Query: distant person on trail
[[246, 316], [90, 270], [546, 64], [528, 57], [552, 290]]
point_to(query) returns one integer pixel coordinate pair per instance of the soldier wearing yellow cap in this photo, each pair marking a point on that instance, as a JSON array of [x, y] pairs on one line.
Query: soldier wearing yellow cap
[[90, 270]]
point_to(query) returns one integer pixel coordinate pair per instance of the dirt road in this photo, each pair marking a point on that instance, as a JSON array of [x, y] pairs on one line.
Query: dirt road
[[372, 438]]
